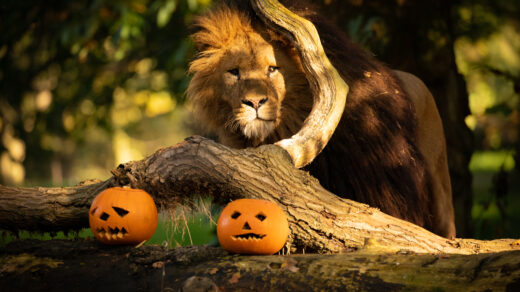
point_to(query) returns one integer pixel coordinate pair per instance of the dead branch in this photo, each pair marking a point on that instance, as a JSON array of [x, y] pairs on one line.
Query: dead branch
[[319, 220]]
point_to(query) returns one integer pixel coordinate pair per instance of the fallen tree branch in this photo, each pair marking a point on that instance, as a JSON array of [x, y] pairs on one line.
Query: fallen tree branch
[[47, 209], [319, 220]]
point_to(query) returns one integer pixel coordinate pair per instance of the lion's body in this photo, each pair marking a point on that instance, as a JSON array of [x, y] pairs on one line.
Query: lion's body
[[388, 151]]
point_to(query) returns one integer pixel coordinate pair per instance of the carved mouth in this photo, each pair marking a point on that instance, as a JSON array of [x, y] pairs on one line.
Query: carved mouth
[[112, 233], [248, 236]]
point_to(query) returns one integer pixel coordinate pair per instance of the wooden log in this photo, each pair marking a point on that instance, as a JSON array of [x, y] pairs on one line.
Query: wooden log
[[89, 266], [47, 209], [319, 220]]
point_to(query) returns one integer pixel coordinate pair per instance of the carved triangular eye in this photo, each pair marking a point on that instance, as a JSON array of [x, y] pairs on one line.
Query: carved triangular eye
[[120, 211], [93, 211], [260, 216], [104, 216], [235, 215]]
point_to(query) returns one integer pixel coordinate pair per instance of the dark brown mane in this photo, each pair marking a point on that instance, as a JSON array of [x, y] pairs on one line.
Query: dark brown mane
[[373, 155], [373, 152]]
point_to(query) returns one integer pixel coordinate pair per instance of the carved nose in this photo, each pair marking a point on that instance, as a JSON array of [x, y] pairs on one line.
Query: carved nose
[[246, 227], [254, 102]]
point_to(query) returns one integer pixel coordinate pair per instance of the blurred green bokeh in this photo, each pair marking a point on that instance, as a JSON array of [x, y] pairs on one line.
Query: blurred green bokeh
[[85, 85], [496, 199]]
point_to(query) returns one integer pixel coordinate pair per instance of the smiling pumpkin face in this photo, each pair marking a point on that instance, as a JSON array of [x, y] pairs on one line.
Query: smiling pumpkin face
[[250, 226], [123, 216]]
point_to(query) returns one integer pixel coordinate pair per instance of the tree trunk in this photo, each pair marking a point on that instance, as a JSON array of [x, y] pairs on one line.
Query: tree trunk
[[90, 266], [319, 220]]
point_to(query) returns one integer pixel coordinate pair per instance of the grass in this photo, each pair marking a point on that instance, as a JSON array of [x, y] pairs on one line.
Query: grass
[[495, 215], [197, 230]]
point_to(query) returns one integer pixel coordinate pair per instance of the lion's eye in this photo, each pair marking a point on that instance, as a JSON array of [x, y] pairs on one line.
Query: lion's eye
[[272, 69], [235, 72]]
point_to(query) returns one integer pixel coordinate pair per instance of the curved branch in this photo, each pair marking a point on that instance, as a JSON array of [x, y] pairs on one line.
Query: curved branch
[[329, 89]]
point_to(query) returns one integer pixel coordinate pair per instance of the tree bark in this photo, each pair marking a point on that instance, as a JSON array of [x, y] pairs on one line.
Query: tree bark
[[47, 209], [319, 220], [90, 266], [328, 87]]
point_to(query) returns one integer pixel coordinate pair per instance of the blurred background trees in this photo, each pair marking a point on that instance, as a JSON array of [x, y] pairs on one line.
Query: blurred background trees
[[88, 84]]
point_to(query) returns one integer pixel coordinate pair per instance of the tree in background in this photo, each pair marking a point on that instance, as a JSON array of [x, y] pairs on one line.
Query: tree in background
[[76, 72]]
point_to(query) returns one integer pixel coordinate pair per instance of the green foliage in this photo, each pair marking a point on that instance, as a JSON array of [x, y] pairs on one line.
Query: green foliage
[[69, 68], [496, 202]]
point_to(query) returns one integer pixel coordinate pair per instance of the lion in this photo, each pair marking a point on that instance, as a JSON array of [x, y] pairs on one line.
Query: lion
[[248, 88]]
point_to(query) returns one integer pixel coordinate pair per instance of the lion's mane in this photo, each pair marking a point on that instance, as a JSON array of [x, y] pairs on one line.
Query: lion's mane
[[372, 156]]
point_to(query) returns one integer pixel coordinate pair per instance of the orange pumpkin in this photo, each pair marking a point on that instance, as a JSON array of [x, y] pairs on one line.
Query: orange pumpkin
[[123, 216], [250, 226]]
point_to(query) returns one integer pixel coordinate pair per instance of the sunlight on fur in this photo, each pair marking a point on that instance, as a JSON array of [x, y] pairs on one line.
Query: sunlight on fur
[[250, 74]]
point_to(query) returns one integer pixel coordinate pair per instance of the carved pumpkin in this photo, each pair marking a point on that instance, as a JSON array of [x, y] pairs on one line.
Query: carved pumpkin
[[250, 226], [123, 216]]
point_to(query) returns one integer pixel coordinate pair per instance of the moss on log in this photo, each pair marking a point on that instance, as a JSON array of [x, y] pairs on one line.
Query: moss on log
[[89, 266]]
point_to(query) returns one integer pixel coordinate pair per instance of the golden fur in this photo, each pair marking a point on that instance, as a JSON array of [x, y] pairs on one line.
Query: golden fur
[[248, 88], [270, 71]]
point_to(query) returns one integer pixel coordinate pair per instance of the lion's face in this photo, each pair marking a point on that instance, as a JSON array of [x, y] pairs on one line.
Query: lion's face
[[253, 84], [246, 87]]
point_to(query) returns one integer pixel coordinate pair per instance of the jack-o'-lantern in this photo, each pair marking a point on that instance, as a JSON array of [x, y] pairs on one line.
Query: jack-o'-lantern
[[123, 216], [251, 226]]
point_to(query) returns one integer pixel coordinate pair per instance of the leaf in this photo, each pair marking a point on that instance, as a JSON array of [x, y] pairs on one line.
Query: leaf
[[290, 265], [165, 13]]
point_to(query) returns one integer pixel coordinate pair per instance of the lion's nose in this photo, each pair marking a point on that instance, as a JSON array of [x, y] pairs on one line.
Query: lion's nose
[[254, 102]]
